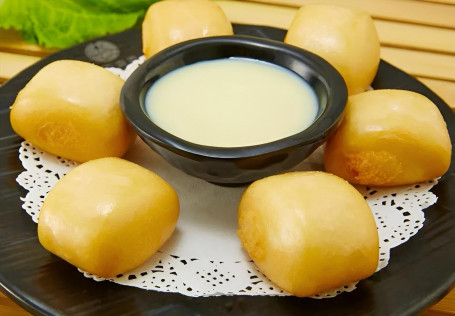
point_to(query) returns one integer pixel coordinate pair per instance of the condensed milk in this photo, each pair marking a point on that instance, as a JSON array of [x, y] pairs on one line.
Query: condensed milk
[[231, 102]]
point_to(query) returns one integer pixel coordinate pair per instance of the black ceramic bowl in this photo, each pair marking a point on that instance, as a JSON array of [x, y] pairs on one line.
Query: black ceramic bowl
[[240, 164]]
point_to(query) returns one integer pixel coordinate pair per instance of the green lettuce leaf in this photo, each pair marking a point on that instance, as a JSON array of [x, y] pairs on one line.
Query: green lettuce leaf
[[64, 23]]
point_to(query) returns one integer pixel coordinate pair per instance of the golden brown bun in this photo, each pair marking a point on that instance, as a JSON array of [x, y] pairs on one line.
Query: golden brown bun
[[108, 216], [389, 137], [308, 232], [345, 37], [72, 109], [173, 21]]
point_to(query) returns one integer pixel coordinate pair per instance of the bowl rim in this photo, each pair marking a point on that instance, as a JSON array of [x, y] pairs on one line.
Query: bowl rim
[[317, 132]]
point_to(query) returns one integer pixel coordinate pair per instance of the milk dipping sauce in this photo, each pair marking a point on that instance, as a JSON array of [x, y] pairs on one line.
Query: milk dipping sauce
[[231, 102]]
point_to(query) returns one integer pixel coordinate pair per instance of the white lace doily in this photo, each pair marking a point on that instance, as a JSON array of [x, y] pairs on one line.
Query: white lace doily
[[204, 255]]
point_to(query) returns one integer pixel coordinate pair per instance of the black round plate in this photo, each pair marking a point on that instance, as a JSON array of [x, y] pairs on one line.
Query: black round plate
[[419, 273]]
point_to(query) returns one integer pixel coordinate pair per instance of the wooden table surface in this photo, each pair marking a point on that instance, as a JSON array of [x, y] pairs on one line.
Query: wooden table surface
[[417, 36]]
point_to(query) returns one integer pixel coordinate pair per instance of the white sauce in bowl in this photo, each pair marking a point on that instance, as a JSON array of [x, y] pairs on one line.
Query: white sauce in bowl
[[231, 102]]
